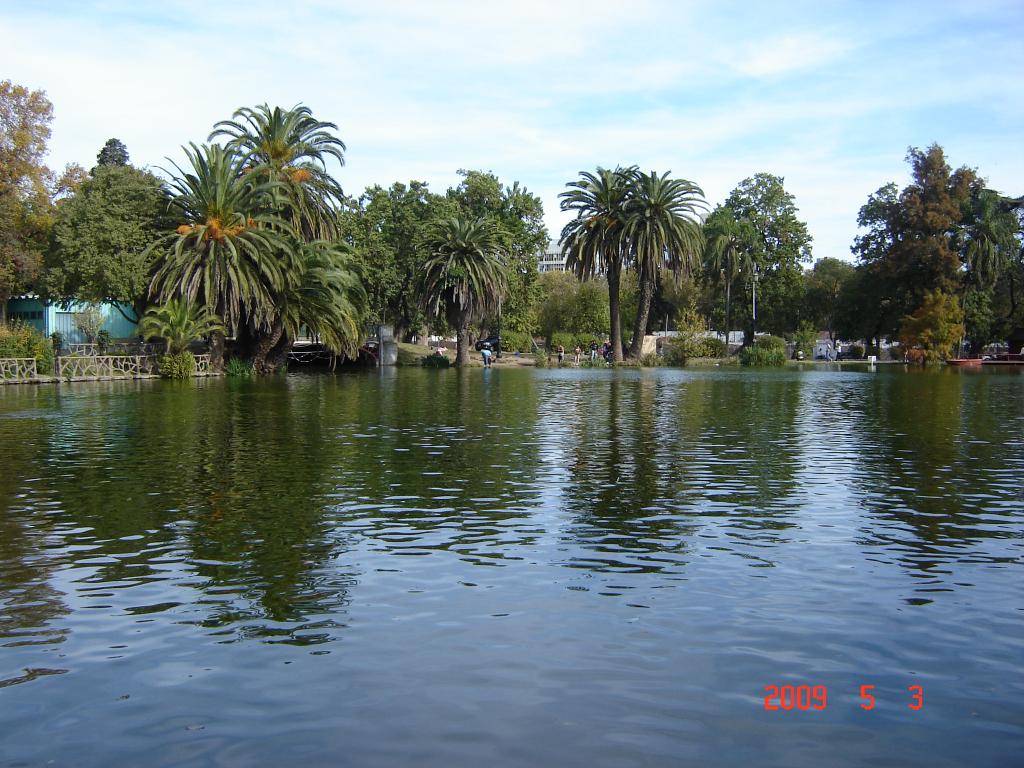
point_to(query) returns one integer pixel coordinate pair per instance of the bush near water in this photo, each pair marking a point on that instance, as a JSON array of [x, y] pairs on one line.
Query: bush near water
[[178, 366], [20, 340], [766, 351]]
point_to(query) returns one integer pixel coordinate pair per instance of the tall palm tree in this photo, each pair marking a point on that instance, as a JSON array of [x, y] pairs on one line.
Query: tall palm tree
[[179, 323], [291, 147], [231, 252], [464, 276], [662, 230], [593, 241], [729, 253]]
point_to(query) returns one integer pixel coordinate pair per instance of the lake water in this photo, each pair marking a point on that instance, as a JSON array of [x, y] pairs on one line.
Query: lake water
[[514, 568]]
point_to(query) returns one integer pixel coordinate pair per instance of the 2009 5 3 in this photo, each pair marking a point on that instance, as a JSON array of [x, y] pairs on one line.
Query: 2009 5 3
[[805, 697]]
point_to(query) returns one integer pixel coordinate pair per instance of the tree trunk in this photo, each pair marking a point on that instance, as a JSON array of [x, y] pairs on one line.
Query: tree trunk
[[217, 351], [462, 347], [278, 356], [728, 314], [264, 343], [613, 307], [647, 286]]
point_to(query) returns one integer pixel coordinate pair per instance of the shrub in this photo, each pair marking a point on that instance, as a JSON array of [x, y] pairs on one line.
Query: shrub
[[857, 352], [714, 347], [682, 348], [651, 360], [766, 351], [771, 342], [178, 366], [540, 359], [516, 341], [567, 340], [21, 340], [89, 322], [238, 368], [436, 361], [103, 340], [933, 329]]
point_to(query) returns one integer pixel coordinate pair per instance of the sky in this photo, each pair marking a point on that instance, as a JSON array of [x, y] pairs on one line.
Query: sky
[[828, 95]]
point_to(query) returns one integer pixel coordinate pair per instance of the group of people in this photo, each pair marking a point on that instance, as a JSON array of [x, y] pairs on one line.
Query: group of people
[[604, 350]]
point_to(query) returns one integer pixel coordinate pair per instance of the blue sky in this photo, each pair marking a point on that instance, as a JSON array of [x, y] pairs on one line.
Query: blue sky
[[828, 95]]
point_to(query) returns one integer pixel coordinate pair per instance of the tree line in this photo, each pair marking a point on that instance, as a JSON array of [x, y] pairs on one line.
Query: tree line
[[251, 236]]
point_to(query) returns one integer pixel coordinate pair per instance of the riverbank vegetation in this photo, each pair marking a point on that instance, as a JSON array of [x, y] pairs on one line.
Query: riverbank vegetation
[[253, 231]]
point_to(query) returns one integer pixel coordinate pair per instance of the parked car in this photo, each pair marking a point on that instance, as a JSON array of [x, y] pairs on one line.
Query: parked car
[[492, 343]]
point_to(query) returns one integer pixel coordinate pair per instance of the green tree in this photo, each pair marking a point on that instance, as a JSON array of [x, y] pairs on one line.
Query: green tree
[[824, 285], [98, 246], [179, 323], [730, 245], [931, 332], [114, 152], [464, 277], [388, 229], [912, 243], [782, 244], [25, 207], [662, 229], [593, 242], [518, 218]]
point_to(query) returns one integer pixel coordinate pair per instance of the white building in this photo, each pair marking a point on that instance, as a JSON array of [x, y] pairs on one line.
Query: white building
[[551, 260]]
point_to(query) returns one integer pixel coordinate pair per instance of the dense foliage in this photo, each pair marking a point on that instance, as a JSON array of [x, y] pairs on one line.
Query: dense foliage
[[25, 204], [98, 249], [180, 365], [20, 340]]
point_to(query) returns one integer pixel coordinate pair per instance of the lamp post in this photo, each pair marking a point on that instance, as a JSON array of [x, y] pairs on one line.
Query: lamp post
[[753, 299]]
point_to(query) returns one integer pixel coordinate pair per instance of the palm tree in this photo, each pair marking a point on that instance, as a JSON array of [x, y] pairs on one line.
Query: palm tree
[[989, 238], [662, 229], [290, 147], [231, 252], [464, 276], [329, 300], [179, 323], [593, 241], [729, 253]]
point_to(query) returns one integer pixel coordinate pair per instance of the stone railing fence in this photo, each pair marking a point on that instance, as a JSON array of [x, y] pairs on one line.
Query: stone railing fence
[[117, 349], [17, 368], [120, 366], [202, 363]]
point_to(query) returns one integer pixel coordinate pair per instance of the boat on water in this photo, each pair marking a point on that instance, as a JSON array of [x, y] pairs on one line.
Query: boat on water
[[971, 362]]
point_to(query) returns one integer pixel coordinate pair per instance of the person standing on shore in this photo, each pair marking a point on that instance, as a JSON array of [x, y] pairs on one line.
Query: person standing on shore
[[576, 355], [593, 352], [561, 354], [486, 354]]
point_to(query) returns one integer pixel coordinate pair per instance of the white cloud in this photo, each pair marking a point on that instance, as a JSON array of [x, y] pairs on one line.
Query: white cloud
[[790, 53], [537, 91]]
